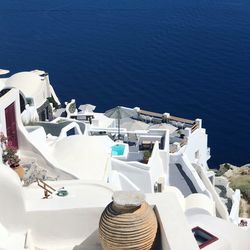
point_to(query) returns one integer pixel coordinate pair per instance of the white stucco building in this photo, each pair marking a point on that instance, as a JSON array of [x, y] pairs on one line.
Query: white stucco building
[[161, 155]]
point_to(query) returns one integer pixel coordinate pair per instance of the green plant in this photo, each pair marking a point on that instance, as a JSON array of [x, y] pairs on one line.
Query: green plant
[[241, 210], [54, 103], [227, 166], [146, 155], [9, 153], [61, 121], [223, 169], [242, 183], [72, 107]]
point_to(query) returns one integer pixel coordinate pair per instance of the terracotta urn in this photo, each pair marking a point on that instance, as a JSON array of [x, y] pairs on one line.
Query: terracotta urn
[[128, 222], [20, 171]]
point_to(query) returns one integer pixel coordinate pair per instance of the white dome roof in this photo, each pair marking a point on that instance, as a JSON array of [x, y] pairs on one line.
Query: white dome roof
[[2, 83], [86, 157], [28, 82]]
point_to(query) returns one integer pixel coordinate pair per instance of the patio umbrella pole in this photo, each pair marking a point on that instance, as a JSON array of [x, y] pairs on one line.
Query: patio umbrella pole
[[119, 113], [119, 118]]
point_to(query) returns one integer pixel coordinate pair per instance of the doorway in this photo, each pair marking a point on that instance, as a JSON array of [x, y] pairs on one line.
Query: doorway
[[10, 117]]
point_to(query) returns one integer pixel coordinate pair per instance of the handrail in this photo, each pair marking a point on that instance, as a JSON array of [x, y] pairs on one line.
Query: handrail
[[171, 117], [194, 127], [175, 149], [183, 142], [48, 190], [179, 119], [172, 150], [145, 112]]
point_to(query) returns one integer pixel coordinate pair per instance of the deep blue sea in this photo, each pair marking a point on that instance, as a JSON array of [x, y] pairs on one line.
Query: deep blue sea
[[187, 57]]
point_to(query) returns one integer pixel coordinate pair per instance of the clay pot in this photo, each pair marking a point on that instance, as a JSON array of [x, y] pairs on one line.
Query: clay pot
[[20, 171], [128, 226]]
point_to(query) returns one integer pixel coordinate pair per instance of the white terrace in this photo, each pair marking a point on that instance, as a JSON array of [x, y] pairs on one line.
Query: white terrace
[[148, 152], [71, 222]]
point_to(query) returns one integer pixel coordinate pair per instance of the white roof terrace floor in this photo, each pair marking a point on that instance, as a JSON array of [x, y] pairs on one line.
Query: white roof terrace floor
[[229, 235], [170, 208], [85, 157], [79, 194], [59, 225]]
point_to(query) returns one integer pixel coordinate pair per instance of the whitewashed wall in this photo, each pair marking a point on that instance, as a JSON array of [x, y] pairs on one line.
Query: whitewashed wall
[[5, 101], [189, 170], [197, 141], [220, 207], [235, 210], [136, 172], [143, 176]]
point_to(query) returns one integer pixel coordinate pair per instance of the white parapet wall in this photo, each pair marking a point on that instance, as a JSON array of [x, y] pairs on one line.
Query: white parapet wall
[[158, 165], [187, 167], [67, 128], [200, 202], [220, 207], [173, 224], [234, 213], [196, 149], [137, 176], [37, 134], [234, 195], [134, 175], [223, 181], [164, 155]]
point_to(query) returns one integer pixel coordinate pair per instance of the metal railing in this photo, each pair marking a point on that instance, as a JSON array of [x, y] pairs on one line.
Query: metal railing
[[166, 118], [174, 148], [192, 123], [48, 190]]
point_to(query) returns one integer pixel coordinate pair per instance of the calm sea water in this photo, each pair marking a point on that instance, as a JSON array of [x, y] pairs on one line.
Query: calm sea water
[[187, 57]]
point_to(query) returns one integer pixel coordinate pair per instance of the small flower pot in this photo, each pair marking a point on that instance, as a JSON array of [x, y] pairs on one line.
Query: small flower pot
[[20, 171]]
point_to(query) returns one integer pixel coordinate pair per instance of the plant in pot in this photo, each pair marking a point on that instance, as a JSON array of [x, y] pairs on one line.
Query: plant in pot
[[10, 157], [146, 156]]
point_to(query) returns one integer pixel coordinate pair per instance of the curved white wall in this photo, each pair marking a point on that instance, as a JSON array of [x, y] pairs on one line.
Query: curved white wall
[[200, 201], [137, 173], [12, 208]]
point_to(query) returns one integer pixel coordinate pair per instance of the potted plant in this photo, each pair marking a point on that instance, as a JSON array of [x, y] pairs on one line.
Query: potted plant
[[146, 156], [10, 157]]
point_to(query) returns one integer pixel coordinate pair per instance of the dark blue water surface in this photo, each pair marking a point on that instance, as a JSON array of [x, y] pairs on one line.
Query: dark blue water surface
[[187, 57]]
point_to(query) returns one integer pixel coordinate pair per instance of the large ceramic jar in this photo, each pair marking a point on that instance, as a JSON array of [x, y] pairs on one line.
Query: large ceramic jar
[[128, 222]]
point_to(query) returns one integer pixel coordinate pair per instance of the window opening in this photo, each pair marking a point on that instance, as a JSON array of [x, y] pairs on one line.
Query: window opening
[[203, 237]]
